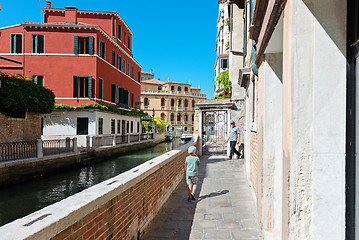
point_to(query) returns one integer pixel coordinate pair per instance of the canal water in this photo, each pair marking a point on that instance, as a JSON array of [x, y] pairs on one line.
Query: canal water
[[20, 200]]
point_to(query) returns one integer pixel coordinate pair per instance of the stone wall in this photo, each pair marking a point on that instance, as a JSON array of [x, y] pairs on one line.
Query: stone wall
[[20, 129], [118, 208]]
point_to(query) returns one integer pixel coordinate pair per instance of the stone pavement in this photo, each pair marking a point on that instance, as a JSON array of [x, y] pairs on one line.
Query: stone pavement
[[224, 208]]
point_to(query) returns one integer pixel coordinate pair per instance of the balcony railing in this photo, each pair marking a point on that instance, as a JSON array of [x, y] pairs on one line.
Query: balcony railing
[[172, 108], [163, 108], [179, 108], [173, 93], [146, 107]]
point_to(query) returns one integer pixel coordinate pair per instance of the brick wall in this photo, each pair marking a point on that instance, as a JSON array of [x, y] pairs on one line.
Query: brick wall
[[253, 159], [20, 129], [119, 211]]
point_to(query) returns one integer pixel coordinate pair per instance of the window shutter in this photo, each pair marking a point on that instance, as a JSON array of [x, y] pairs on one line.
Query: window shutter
[[35, 79], [89, 84], [104, 49], [12, 44], [34, 43], [40, 80], [119, 32], [100, 88], [113, 58], [122, 96], [76, 44], [117, 95], [113, 93], [76, 88], [90, 45], [40, 39], [131, 99]]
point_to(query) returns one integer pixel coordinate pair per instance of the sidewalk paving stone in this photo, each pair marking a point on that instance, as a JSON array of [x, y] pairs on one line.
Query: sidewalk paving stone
[[224, 208]]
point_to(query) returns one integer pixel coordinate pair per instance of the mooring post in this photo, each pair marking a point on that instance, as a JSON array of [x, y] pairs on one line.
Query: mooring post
[[87, 143], [75, 144], [114, 140], [93, 142], [40, 153], [67, 144]]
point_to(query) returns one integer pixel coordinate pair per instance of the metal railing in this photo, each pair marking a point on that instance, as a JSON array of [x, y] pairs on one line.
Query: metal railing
[[18, 150], [51, 147]]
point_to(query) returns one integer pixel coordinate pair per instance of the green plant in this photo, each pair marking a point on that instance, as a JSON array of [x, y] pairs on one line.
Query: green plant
[[224, 84], [227, 45], [101, 106], [18, 94], [228, 22], [160, 124]]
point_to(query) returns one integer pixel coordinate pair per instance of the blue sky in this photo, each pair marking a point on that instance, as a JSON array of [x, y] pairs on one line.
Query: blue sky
[[175, 38]]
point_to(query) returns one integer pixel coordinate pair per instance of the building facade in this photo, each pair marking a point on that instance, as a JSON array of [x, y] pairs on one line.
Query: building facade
[[173, 102], [222, 41], [298, 73], [147, 76], [83, 56]]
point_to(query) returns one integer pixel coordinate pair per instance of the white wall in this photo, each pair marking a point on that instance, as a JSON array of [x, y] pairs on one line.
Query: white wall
[[62, 124]]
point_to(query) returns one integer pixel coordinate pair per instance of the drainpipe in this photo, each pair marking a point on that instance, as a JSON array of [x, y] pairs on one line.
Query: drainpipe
[[23, 51]]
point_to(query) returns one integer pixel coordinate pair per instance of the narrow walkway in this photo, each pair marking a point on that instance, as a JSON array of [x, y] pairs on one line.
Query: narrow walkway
[[224, 209]]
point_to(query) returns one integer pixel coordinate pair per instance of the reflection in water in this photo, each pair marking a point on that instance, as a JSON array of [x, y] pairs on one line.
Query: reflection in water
[[25, 198]]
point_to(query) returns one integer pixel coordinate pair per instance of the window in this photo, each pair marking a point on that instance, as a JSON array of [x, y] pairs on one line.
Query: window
[[128, 126], [113, 126], [113, 58], [100, 126], [37, 43], [224, 63], [124, 39], [132, 72], [172, 88], [192, 129], [172, 102], [138, 127], [138, 101], [186, 89], [16, 43], [39, 80], [131, 126], [163, 102], [172, 117], [82, 87], [83, 45], [118, 126], [163, 116], [100, 88], [179, 89], [123, 66], [139, 77], [185, 103], [82, 126], [186, 118], [159, 88], [192, 117], [102, 49], [179, 103], [146, 102], [132, 99], [119, 32], [129, 42], [128, 69], [185, 129], [179, 117], [193, 103], [119, 62]]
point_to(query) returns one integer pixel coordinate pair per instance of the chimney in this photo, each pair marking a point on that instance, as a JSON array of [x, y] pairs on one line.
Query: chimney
[[48, 4], [151, 71], [189, 81], [199, 86], [168, 80], [71, 14]]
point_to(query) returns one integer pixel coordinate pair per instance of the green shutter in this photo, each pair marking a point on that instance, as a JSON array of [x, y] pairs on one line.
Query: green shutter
[[76, 89], [100, 88], [40, 40], [113, 58], [113, 91], [91, 41], [104, 49], [34, 43], [131, 99], [122, 97], [89, 87], [76, 44]]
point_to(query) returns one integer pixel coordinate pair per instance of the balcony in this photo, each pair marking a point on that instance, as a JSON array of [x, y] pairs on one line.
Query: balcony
[[179, 108], [146, 107], [174, 93], [173, 108], [163, 107]]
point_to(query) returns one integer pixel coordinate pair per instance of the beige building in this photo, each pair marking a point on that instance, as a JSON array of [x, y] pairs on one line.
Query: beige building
[[173, 102]]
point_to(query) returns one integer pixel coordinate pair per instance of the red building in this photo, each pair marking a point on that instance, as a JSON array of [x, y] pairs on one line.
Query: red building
[[83, 56]]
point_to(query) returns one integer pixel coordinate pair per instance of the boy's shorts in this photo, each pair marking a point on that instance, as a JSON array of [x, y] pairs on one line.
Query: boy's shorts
[[191, 180]]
